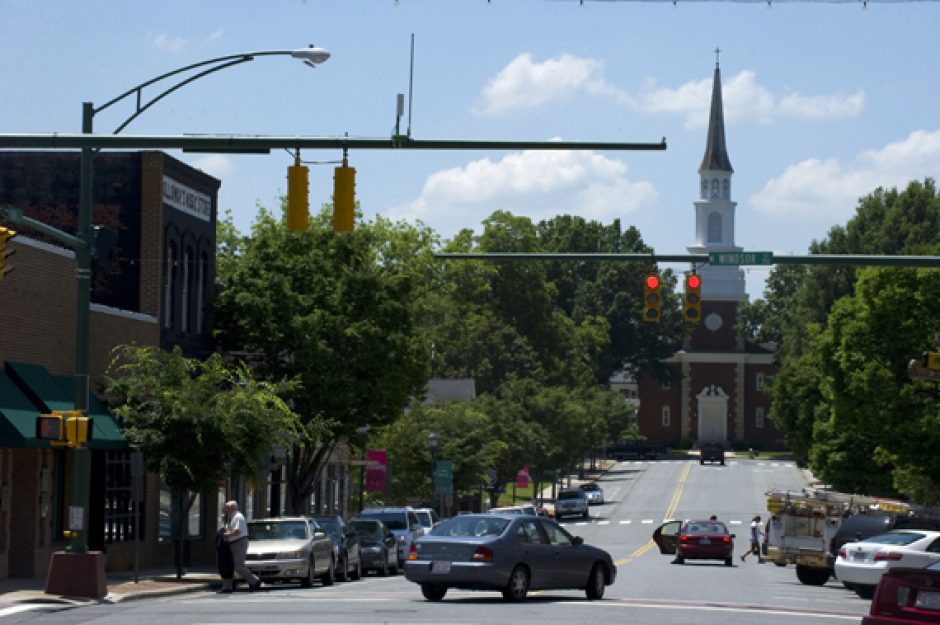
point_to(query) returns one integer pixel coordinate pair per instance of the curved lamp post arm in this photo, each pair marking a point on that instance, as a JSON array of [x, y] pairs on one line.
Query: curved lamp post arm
[[311, 56]]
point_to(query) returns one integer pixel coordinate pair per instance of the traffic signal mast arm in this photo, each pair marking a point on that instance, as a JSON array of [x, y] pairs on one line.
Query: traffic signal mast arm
[[700, 259]]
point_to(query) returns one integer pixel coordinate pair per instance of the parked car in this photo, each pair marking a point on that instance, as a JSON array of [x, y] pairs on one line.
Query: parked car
[[864, 525], [695, 540], [594, 493], [523, 509], [378, 546], [402, 521], [712, 452], [290, 548], [906, 597], [511, 553], [345, 545], [571, 502], [427, 517], [859, 565], [633, 448]]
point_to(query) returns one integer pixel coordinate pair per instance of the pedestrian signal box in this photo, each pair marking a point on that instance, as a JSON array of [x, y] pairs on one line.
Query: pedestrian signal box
[[51, 427], [64, 428], [931, 360]]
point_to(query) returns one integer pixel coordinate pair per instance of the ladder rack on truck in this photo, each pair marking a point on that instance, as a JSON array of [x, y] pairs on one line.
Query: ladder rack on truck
[[803, 523]]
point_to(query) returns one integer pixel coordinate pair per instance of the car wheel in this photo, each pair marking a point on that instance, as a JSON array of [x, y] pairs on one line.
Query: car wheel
[[433, 592], [518, 585], [357, 572], [329, 578], [384, 569], [679, 559], [812, 576], [342, 572], [596, 582], [865, 591], [307, 581], [701, 462], [395, 568], [585, 515], [729, 562]]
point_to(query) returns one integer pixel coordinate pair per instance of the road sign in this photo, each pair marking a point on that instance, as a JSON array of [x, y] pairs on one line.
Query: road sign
[[443, 477], [741, 258]]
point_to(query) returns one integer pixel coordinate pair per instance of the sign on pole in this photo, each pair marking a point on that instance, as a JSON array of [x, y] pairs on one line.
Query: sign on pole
[[522, 478], [741, 258], [443, 477]]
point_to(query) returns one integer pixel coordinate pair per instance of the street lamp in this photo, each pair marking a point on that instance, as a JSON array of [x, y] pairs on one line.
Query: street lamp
[[311, 56], [433, 442]]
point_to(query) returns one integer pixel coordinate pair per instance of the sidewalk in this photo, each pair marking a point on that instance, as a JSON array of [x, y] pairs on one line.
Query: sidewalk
[[121, 587]]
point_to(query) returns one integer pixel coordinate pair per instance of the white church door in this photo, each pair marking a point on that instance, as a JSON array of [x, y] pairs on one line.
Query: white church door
[[712, 415]]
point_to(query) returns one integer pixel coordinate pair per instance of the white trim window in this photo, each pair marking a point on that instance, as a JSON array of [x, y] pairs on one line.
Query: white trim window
[[759, 381], [667, 385], [759, 417], [665, 416]]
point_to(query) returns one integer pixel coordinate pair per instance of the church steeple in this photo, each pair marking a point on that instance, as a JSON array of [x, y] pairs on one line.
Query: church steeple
[[716, 153]]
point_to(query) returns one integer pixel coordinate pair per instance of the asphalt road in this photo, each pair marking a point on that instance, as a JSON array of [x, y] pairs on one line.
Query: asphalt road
[[649, 589]]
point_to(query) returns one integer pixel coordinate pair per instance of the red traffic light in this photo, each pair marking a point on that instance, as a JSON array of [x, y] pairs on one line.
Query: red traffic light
[[652, 282], [694, 281]]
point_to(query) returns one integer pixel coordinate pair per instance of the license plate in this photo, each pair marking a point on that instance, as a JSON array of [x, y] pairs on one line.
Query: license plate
[[705, 541], [858, 556], [440, 567], [927, 600]]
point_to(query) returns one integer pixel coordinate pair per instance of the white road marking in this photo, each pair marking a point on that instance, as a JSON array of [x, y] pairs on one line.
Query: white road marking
[[627, 522], [603, 522], [13, 609], [646, 521]]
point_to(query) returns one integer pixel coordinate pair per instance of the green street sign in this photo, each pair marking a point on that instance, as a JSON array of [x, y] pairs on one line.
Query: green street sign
[[741, 258]]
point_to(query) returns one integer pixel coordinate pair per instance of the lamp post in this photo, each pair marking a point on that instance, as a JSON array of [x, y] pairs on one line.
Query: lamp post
[[433, 442], [311, 56]]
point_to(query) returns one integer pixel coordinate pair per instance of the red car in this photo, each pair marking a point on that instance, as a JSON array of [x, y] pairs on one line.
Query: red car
[[695, 540], [906, 597]]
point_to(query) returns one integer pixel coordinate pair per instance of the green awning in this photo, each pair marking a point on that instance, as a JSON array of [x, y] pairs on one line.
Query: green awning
[[28, 390]]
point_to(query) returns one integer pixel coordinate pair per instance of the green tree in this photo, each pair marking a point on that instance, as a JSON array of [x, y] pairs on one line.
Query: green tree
[[335, 310], [196, 422]]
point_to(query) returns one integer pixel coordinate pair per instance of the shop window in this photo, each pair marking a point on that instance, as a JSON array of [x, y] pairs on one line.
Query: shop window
[[665, 416], [121, 521], [168, 515]]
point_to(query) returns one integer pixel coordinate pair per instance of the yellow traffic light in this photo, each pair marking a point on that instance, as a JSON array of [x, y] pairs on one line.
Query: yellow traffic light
[[298, 196], [5, 235], [692, 299], [652, 300], [77, 429], [931, 360], [344, 197]]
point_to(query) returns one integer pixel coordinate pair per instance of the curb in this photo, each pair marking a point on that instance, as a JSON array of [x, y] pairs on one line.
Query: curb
[[158, 592]]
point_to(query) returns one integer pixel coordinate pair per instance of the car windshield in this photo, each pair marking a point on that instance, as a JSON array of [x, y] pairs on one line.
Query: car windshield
[[424, 518], [364, 528], [331, 527], [471, 526], [588, 487], [706, 528], [892, 538], [277, 530], [570, 494], [392, 520]]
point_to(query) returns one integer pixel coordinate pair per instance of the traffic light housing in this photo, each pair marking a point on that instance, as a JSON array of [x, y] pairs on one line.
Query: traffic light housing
[[78, 430], [64, 428], [652, 299], [344, 197], [298, 196], [5, 235], [51, 427], [692, 299], [931, 360]]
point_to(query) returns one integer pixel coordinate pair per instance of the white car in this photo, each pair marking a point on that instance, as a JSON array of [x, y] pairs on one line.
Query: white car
[[594, 493], [859, 565]]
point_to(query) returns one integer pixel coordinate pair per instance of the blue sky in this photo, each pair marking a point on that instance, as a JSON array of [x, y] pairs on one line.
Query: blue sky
[[823, 102]]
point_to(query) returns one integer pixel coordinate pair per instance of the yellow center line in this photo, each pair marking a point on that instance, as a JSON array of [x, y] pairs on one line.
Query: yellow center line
[[670, 511]]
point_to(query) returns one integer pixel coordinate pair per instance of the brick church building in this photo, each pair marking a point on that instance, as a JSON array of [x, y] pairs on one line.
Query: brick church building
[[716, 390]]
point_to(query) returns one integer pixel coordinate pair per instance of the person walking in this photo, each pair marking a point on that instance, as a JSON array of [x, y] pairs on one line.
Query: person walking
[[754, 533], [235, 534]]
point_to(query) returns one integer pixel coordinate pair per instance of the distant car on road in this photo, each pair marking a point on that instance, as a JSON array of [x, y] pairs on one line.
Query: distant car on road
[[511, 553], [594, 493], [695, 540], [290, 548], [346, 546], [906, 596], [378, 546], [634, 448], [571, 502], [402, 521], [712, 452]]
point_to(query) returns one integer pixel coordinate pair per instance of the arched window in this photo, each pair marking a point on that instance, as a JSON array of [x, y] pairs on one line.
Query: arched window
[[203, 273], [169, 285], [714, 187], [704, 189], [726, 189], [185, 280], [714, 227]]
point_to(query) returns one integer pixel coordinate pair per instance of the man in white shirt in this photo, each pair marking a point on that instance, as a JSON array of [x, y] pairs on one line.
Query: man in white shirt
[[235, 533]]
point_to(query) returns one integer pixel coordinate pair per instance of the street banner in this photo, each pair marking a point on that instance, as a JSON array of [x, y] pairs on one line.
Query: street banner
[[522, 478], [376, 465]]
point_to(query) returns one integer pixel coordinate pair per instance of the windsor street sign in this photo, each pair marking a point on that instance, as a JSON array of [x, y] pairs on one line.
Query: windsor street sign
[[741, 258]]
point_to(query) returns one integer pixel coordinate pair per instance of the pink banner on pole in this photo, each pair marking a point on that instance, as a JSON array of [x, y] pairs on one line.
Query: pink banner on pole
[[376, 460], [522, 478]]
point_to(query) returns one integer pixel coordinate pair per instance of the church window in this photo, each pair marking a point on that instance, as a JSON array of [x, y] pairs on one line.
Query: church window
[[714, 227], [715, 187], [704, 189], [759, 417], [726, 189], [665, 416]]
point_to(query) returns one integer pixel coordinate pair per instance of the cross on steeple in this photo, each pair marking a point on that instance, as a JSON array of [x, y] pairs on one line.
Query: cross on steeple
[[717, 52]]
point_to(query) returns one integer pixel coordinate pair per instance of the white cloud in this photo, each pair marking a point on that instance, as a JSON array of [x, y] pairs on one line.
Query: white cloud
[[217, 165], [525, 84], [817, 187], [170, 44], [215, 35], [535, 183]]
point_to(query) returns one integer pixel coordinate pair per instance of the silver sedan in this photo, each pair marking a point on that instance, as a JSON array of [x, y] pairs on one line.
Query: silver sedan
[[510, 553]]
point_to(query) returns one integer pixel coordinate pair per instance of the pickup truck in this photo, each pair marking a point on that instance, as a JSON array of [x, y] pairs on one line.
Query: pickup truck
[[633, 448]]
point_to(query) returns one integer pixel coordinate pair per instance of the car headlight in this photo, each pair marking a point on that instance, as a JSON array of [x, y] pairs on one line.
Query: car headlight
[[291, 555]]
